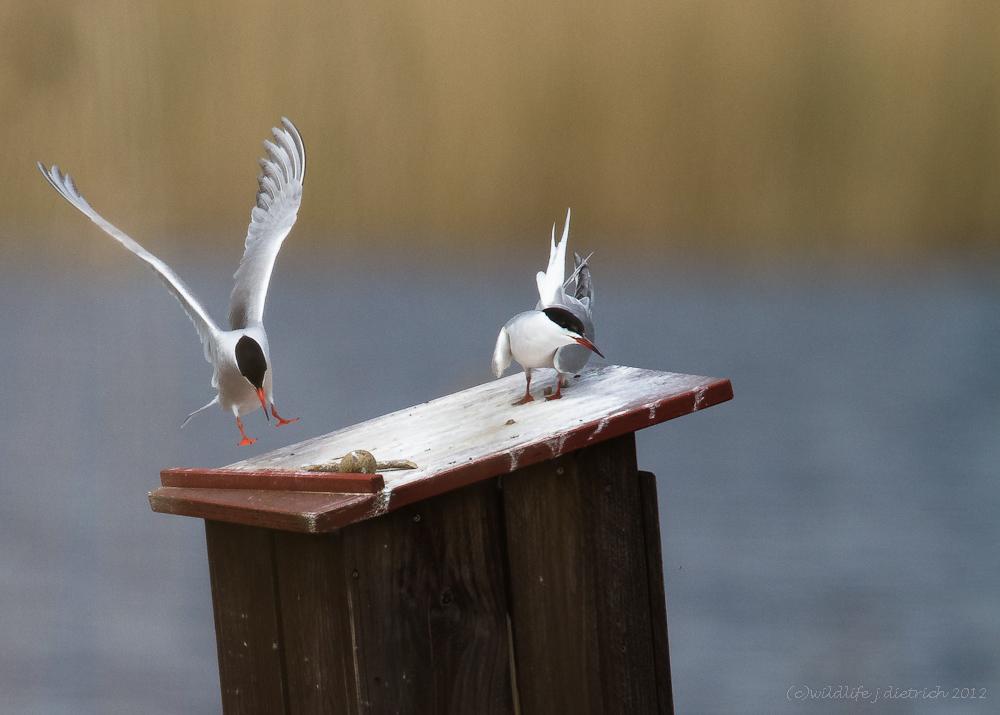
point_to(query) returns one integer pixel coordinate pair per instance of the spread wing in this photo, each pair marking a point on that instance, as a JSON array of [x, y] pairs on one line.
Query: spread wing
[[278, 198], [207, 330]]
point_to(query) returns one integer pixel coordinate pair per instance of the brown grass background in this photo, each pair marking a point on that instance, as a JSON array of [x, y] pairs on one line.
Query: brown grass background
[[746, 127]]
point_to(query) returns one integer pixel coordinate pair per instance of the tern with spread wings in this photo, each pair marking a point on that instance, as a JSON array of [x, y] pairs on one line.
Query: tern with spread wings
[[559, 333], [240, 355]]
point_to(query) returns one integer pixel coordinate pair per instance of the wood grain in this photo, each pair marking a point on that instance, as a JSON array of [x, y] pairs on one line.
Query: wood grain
[[247, 625], [583, 638], [429, 609], [315, 612], [409, 612], [551, 583], [310, 512], [657, 594]]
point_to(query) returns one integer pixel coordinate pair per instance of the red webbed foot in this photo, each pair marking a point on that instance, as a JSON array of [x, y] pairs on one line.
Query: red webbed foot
[[246, 440], [282, 420], [527, 390]]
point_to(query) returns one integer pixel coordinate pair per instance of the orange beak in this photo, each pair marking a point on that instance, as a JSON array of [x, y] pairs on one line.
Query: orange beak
[[260, 395], [585, 342]]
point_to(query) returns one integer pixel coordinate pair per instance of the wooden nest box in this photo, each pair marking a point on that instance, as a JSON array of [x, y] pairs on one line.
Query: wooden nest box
[[516, 569]]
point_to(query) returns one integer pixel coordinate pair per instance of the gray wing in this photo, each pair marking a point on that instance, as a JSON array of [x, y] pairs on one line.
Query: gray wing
[[573, 358], [584, 285], [207, 330], [581, 302], [278, 198]]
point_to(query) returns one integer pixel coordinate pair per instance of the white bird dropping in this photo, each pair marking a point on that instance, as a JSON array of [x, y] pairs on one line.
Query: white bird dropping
[[240, 355]]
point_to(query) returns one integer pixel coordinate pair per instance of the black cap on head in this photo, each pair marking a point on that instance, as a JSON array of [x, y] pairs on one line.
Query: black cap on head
[[565, 319], [250, 359]]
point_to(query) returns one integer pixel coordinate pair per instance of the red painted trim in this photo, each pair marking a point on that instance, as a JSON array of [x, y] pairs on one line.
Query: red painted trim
[[273, 479]]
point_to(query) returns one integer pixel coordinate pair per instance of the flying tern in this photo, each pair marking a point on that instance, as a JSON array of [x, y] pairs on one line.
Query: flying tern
[[239, 356], [559, 333]]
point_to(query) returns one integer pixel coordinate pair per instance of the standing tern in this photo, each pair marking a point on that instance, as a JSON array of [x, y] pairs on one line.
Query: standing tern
[[559, 333], [552, 292], [239, 356]]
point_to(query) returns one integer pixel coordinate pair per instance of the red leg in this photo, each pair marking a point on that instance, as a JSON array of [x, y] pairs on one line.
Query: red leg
[[558, 394], [527, 391], [281, 420], [246, 440]]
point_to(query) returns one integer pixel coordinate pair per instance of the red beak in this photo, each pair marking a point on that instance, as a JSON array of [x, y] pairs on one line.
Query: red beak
[[260, 394], [585, 342]]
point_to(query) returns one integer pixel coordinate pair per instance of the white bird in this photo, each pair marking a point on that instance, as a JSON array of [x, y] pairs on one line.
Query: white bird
[[559, 332], [240, 355], [552, 292]]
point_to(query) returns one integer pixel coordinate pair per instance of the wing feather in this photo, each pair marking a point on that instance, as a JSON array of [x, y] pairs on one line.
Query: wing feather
[[550, 281], [501, 353], [196, 311], [279, 195], [584, 283]]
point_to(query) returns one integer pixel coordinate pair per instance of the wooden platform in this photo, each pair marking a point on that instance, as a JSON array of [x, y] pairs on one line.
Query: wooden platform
[[516, 571], [455, 440]]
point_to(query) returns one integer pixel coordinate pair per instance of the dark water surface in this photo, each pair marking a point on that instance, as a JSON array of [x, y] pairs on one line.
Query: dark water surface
[[835, 525]]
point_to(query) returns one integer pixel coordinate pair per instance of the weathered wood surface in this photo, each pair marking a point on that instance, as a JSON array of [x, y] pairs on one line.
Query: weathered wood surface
[[316, 616], [312, 512], [248, 631], [406, 613], [278, 479], [580, 603], [536, 593], [430, 610], [456, 440], [657, 594]]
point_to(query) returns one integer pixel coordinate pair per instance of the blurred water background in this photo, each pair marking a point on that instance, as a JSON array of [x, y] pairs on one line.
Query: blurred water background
[[834, 524], [801, 197]]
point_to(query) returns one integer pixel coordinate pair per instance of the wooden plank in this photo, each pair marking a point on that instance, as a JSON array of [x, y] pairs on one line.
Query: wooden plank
[[429, 608], [247, 626], [469, 436], [454, 432], [310, 512], [551, 584], [579, 598], [625, 637], [319, 652], [275, 479], [657, 594]]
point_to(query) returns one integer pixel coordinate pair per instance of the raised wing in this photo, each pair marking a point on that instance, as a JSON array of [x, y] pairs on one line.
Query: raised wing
[[550, 281], [207, 330], [278, 198]]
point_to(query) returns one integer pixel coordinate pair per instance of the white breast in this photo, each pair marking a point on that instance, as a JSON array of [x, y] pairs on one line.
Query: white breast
[[534, 339]]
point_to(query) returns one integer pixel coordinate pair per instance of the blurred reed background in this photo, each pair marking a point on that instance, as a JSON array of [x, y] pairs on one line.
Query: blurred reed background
[[759, 127]]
